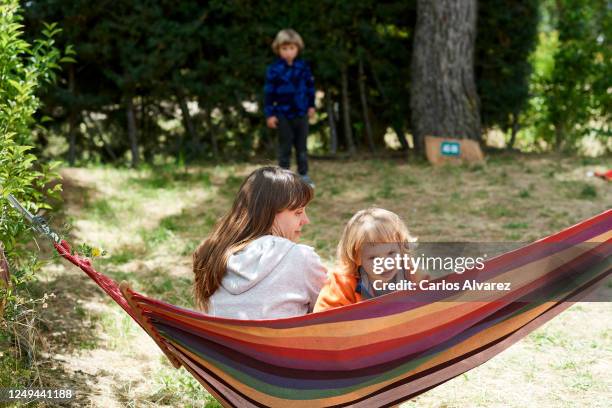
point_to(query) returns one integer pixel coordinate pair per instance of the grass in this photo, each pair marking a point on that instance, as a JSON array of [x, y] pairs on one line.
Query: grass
[[516, 225], [588, 192], [151, 220]]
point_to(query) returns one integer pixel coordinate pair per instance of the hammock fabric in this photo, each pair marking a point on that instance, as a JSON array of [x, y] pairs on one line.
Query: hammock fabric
[[375, 353]]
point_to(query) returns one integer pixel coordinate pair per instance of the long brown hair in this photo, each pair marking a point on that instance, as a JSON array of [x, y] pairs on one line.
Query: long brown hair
[[264, 193]]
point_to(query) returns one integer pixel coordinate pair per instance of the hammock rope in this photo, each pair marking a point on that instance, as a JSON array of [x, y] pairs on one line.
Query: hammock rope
[[379, 352]]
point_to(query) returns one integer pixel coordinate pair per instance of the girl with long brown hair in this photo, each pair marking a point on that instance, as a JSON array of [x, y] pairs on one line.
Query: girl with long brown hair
[[251, 266]]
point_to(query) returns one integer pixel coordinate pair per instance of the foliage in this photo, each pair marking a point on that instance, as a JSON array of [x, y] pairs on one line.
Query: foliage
[[571, 82], [213, 56], [25, 68], [194, 72], [507, 34]]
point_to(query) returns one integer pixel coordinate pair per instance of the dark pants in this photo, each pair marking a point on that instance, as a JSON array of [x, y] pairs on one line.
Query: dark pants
[[293, 132]]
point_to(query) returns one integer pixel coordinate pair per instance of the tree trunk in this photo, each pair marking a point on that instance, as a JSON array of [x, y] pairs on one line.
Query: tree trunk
[[132, 131], [514, 131], [346, 112], [364, 105], [100, 132], [443, 97], [401, 136], [399, 131], [333, 133]]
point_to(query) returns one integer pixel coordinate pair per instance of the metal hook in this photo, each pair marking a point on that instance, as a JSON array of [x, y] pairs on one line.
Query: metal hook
[[38, 222]]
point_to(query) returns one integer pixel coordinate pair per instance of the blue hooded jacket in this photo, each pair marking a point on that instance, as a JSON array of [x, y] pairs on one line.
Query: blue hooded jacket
[[289, 90]]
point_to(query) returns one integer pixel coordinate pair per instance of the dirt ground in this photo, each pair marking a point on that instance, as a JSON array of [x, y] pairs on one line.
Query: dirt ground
[[149, 222]]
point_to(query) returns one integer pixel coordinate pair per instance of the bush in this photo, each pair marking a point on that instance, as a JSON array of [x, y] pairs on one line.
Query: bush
[[570, 92], [24, 70]]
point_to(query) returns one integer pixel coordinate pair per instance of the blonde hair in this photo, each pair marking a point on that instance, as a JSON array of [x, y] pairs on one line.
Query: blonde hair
[[287, 36], [372, 225]]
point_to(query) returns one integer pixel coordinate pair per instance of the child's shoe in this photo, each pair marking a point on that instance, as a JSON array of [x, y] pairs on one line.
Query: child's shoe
[[308, 180]]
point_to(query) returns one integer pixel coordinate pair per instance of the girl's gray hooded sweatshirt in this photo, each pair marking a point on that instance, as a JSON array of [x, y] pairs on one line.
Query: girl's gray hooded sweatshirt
[[270, 278]]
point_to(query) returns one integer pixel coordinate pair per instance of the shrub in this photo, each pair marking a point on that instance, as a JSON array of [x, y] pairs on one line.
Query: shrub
[[24, 70]]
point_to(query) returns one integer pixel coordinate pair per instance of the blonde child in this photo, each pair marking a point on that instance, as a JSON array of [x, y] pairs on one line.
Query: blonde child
[[370, 233]]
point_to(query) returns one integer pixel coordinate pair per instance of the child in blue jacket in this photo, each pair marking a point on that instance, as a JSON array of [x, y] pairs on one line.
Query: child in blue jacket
[[289, 100]]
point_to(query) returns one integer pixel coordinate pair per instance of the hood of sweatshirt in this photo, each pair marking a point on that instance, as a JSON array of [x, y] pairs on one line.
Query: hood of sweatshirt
[[248, 267]]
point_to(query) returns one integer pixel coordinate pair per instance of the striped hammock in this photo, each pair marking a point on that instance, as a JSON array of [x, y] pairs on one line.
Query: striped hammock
[[375, 353]]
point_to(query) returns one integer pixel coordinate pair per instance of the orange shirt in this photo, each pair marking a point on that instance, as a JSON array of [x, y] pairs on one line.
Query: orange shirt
[[339, 290]]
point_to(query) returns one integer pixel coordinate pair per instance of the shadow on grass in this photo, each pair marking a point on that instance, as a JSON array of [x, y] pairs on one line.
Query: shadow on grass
[[169, 177]]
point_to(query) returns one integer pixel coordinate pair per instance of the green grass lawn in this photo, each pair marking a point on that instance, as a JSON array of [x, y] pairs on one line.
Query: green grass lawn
[[150, 221]]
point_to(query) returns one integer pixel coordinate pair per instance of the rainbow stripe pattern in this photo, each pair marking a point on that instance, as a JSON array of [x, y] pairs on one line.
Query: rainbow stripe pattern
[[381, 351]]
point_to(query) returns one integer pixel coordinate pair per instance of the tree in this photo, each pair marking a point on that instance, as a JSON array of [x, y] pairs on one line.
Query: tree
[[502, 63], [171, 80], [444, 100], [577, 94]]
